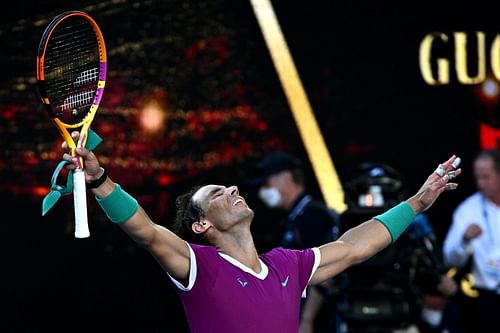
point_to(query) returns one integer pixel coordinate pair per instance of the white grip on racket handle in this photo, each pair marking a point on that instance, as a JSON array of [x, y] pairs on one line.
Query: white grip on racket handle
[[80, 201]]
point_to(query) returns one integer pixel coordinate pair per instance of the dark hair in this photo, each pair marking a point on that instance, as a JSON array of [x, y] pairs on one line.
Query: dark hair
[[298, 176], [493, 154], [187, 213]]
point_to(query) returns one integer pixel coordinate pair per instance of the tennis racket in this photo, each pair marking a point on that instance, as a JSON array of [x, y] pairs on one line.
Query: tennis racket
[[71, 73]]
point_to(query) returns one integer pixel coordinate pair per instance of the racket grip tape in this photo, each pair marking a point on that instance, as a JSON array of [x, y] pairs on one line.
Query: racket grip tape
[[80, 202]]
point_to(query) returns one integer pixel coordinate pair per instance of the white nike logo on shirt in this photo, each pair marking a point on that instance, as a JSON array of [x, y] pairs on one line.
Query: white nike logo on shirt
[[284, 283], [242, 282]]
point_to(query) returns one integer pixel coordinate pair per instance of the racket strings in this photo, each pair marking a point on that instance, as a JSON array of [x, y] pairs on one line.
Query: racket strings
[[72, 69]]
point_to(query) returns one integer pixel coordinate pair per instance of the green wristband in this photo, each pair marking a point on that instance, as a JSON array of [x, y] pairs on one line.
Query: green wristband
[[119, 206], [397, 219]]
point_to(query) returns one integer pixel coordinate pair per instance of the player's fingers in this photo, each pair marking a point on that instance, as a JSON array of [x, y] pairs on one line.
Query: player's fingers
[[82, 152], [87, 155], [67, 157], [452, 163], [71, 159], [448, 163], [449, 167], [440, 170], [454, 173], [75, 135], [456, 163], [65, 147]]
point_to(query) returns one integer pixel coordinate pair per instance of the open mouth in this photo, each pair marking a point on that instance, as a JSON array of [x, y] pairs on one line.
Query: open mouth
[[239, 201]]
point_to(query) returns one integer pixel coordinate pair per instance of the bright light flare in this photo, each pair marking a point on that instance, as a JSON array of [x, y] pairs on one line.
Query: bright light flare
[[152, 118], [490, 88]]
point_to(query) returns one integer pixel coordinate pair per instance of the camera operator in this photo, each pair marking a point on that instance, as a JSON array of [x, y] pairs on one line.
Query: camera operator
[[403, 286]]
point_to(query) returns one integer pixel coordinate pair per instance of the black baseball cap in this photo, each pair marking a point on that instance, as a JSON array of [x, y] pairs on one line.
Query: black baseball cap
[[271, 164]]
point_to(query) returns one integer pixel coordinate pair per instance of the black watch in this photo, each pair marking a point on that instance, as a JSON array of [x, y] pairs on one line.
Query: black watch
[[99, 180]]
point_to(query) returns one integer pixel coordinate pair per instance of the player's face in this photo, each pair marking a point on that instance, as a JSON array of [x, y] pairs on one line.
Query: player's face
[[222, 206]]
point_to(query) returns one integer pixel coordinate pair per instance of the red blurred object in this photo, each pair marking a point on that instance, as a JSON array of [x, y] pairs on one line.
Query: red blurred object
[[40, 190], [204, 50], [489, 136], [10, 111], [165, 179]]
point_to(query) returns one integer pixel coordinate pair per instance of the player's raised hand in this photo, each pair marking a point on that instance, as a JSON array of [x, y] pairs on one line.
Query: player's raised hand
[[91, 164], [436, 183]]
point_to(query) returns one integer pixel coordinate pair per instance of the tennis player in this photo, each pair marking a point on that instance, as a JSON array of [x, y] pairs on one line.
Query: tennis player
[[221, 280]]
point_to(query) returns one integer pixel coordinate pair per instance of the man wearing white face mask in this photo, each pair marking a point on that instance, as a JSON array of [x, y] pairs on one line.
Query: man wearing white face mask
[[308, 222]]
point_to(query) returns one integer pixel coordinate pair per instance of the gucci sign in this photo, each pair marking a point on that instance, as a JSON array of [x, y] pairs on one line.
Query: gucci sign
[[438, 50]]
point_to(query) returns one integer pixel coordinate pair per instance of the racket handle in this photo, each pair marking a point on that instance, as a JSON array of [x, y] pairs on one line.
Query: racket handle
[[80, 201]]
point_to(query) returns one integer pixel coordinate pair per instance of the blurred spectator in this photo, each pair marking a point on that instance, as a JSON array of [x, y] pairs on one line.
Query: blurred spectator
[[474, 240]]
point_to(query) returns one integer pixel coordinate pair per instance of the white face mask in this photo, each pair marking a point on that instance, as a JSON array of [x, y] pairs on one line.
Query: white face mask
[[270, 196]]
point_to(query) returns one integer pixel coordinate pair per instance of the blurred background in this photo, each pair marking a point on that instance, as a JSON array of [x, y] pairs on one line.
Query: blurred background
[[192, 97]]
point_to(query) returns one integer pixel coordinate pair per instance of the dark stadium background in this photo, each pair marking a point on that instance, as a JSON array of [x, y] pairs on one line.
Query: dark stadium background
[[206, 65]]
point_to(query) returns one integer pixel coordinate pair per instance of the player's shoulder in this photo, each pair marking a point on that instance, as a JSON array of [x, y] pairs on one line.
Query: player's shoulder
[[202, 249], [284, 253]]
